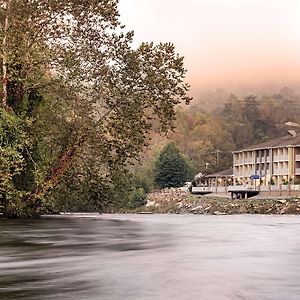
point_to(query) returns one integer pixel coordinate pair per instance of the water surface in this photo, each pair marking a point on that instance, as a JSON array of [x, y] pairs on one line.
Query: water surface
[[143, 257]]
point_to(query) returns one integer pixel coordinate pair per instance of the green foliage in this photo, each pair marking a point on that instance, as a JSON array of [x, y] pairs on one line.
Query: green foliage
[[78, 104], [14, 142], [144, 179], [137, 198], [143, 172], [172, 168], [80, 194], [272, 182], [199, 136]]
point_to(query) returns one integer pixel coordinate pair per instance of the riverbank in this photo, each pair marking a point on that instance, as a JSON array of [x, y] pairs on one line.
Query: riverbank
[[184, 203]]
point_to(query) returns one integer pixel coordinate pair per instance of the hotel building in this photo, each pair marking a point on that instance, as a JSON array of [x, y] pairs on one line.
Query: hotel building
[[273, 162]]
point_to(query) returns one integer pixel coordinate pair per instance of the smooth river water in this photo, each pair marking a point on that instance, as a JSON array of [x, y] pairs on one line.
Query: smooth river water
[[139, 257]]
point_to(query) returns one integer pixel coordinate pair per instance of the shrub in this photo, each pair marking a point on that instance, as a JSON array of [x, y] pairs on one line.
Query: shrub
[[137, 198]]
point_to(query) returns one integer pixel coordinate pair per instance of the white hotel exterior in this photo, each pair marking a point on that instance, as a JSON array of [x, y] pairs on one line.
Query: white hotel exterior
[[276, 161]]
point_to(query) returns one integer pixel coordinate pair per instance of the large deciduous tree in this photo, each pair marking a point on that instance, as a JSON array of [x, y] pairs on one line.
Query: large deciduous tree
[[76, 96]]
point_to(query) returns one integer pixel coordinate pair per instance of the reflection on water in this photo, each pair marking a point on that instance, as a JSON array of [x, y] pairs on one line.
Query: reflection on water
[[151, 257]]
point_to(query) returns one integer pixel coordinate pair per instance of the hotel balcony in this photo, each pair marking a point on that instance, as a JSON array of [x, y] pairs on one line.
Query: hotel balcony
[[262, 160], [281, 171], [281, 158]]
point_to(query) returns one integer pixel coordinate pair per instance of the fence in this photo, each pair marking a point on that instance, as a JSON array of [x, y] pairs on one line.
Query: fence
[[260, 188]]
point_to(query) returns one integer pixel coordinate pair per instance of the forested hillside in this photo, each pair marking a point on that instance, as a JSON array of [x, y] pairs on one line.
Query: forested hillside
[[208, 139]]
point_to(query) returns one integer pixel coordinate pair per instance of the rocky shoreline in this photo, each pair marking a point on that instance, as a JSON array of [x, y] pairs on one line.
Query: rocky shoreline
[[185, 203]]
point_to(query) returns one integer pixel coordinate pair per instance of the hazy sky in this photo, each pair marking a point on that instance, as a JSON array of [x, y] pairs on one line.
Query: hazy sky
[[223, 41]]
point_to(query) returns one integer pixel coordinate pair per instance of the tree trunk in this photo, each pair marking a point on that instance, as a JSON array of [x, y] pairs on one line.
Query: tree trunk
[[55, 175]]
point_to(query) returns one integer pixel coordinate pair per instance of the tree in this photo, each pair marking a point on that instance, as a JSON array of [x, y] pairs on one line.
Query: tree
[[172, 168], [82, 100], [199, 136]]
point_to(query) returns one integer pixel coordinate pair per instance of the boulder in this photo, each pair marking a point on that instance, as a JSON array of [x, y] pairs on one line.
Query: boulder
[[282, 201], [150, 203], [218, 213], [197, 208]]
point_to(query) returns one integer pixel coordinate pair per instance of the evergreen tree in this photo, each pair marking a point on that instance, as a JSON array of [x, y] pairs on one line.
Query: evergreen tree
[[172, 168]]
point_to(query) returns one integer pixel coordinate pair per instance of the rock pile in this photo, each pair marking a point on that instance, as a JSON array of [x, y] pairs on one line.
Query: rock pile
[[174, 201]]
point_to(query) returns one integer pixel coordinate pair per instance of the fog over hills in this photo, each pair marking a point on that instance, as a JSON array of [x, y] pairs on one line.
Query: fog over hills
[[212, 98], [233, 46]]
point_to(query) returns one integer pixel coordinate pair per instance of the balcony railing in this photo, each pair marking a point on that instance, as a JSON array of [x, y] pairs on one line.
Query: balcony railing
[[262, 160], [281, 171], [198, 189], [233, 188], [254, 160], [280, 158]]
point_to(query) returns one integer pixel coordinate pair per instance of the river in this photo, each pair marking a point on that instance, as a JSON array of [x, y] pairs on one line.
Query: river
[[150, 257]]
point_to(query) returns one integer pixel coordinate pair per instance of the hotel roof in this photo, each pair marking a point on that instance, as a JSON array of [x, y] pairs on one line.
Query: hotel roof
[[285, 141]]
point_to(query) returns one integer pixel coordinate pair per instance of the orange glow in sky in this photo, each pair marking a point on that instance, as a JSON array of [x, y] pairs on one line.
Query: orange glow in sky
[[223, 41]]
